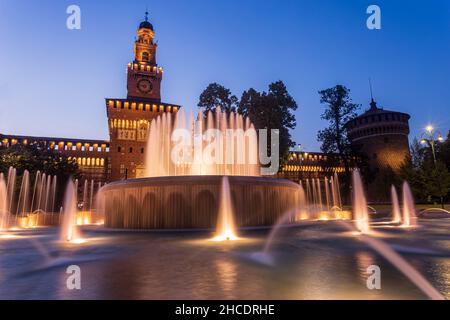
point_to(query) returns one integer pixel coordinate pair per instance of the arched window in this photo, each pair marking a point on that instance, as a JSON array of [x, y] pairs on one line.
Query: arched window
[[145, 57]]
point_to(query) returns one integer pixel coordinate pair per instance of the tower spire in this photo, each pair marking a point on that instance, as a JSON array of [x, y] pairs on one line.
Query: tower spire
[[146, 14], [373, 104]]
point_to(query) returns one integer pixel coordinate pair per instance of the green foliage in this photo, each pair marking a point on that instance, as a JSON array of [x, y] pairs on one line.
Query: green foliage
[[266, 110], [435, 180], [444, 151], [35, 158], [216, 95], [272, 110], [430, 181], [339, 110]]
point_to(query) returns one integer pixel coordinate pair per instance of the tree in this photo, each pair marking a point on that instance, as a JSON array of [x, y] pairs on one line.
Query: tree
[[339, 110], [444, 154], [435, 181], [417, 154], [272, 110], [429, 180], [216, 95], [37, 157]]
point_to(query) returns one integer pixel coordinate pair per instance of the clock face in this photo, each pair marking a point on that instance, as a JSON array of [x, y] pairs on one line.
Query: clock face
[[144, 86]]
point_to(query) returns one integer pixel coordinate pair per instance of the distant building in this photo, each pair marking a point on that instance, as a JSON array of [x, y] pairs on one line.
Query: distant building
[[382, 137], [311, 165], [92, 156]]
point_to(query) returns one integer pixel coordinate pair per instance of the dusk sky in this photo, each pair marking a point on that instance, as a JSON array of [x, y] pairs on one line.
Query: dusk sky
[[53, 81]]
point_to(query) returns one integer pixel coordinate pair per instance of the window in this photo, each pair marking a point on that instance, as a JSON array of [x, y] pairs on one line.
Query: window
[[131, 150], [142, 150], [145, 56], [119, 149]]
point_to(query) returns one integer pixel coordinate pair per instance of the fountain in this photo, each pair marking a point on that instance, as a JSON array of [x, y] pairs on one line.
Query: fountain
[[360, 210], [409, 211], [69, 229], [323, 200], [22, 206], [396, 216], [182, 187], [4, 214], [10, 188], [226, 229]]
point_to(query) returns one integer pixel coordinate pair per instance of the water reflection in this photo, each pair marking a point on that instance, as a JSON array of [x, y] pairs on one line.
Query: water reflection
[[317, 261]]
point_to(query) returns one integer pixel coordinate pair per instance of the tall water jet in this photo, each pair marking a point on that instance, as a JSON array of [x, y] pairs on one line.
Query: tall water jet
[[35, 190], [54, 182], [218, 144], [22, 205], [41, 192], [91, 195], [337, 191], [85, 195], [327, 193], [396, 216], [69, 229], [360, 211], [226, 229], [48, 186], [4, 214], [319, 195], [409, 211], [309, 194], [11, 185], [76, 192]]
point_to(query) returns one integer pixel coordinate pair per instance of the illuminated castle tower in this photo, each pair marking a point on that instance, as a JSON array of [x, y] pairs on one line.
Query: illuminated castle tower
[[144, 75], [129, 119], [382, 137]]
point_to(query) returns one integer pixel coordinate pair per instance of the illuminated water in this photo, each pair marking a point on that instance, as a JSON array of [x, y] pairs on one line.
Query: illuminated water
[[360, 209], [69, 228], [220, 144], [318, 260], [226, 228]]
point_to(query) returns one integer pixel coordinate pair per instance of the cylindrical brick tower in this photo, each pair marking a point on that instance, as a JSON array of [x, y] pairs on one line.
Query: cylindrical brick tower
[[381, 136]]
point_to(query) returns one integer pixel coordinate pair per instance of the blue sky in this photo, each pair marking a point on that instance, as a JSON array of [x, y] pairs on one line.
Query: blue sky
[[53, 81]]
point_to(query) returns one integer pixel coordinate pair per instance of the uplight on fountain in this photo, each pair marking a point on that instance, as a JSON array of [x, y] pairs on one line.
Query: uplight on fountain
[[3, 204], [360, 210], [226, 229], [396, 216], [69, 228], [409, 211]]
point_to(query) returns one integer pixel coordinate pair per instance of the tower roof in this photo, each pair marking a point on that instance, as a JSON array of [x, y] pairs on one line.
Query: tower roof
[[146, 24]]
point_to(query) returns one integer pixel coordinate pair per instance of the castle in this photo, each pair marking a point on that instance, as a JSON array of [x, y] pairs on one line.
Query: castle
[[381, 135]]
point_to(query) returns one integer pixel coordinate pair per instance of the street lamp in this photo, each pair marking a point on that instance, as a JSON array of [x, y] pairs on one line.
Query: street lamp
[[431, 138]]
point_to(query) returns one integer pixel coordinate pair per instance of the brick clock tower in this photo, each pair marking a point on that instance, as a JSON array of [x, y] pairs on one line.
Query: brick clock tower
[[129, 119]]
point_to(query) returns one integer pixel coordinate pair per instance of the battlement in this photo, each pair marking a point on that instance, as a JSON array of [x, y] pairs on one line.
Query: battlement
[[136, 105]]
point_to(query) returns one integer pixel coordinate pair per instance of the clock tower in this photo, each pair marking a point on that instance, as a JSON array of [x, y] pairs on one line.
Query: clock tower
[[129, 119], [144, 75]]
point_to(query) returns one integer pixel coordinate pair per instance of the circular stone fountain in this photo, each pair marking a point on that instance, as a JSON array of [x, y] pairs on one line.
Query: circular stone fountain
[[193, 201], [186, 190]]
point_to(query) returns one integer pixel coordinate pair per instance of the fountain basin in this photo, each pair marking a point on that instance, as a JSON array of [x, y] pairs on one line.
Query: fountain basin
[[192, 202]]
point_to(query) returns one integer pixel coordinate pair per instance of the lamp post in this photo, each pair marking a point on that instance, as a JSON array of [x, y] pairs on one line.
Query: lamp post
[[431, 138]]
